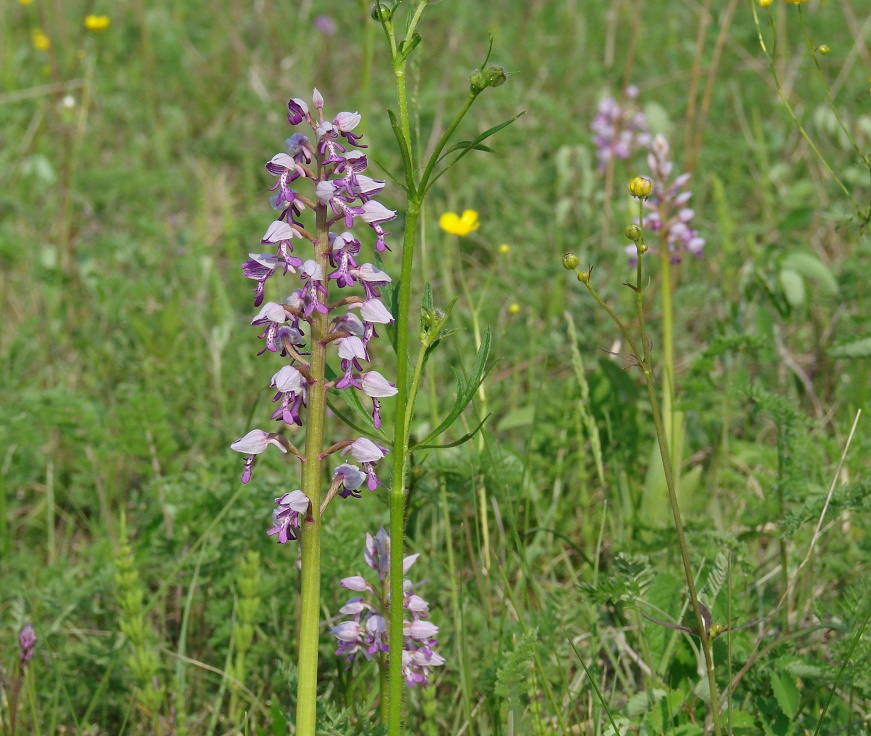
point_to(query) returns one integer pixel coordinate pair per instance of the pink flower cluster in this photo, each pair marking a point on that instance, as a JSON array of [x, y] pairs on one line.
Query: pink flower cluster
[[619, 130], [365, 632], [331, 162]]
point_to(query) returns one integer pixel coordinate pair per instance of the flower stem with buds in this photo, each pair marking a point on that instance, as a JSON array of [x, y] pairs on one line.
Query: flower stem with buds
[[642, 359]]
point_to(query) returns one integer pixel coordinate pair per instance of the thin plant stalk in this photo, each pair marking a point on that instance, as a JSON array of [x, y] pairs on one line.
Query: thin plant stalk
[[668, 410], [415, 191], [642, 359], [771, 56]]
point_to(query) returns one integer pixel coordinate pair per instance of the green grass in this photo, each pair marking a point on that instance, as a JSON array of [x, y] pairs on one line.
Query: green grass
[[127, 366]]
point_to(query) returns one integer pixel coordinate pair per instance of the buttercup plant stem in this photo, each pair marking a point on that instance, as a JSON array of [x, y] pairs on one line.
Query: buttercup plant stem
[[642, 359], [771, 56], [415, 192]]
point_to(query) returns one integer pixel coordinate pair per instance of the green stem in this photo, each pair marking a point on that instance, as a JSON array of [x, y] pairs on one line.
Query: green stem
[[668, 353], [643, 360], [771, 57], [865, 158], [483, 520], [443, 141], [675, 508], [310, 537], [400, 455]]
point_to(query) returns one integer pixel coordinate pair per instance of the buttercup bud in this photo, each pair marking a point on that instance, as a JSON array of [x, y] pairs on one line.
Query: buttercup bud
[[570, 261], [640, 187], [764, 3], [492, 76], [633, 232], [823, 49], [386, 12], [584, 277]]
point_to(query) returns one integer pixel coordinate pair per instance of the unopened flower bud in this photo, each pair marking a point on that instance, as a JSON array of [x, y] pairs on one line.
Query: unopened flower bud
[[584, 277], [492, 76], [642, 248], [640, 187], [386, 11], [764, 3], [823, 49], [570, 261], [633, 232]]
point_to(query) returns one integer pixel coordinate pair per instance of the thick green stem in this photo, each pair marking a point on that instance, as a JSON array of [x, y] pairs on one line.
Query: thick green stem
[[310, 537]]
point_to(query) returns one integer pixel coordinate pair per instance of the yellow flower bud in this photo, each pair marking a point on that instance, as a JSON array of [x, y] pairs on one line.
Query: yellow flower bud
[[570, 261], [764, 3], [823, 49], [640, 187], [504, 249], [514, 308]]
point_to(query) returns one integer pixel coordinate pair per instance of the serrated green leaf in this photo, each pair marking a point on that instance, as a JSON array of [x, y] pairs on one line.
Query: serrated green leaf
[[743, 723], [688, 729], [786, 693], [793, 287], [642, 702]]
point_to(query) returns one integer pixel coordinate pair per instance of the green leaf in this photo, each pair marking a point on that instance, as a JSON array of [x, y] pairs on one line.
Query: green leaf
[[408, 45], [522, 417], [470, 146], [793, 287], [643, 702], [389, 174], [407, 160], [456, 443], [858, 349], [813, 270], [786, 693], [426, 301], [743, 720], [465, 391]]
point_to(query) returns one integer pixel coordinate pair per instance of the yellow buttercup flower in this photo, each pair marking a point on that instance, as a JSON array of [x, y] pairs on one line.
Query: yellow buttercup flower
[[514, 308], [504, 249], [96, 23], [24, 2], [764, 3], [41, 42], [462, 225], [797, 2]]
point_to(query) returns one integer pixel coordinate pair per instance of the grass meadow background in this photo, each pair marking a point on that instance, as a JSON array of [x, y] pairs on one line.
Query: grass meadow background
[[133, 187]]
